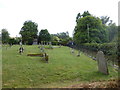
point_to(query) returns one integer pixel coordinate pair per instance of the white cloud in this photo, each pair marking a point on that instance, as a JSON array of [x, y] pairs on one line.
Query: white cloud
[[54, 15]]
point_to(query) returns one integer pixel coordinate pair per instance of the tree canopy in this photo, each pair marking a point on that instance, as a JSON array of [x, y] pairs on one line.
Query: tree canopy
[[89, 29], [5, 36], [44, 35], [29, 32]]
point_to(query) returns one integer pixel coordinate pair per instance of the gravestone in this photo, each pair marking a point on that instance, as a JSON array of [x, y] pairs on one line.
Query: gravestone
[[21, 43], [34, 42], [42, 49], [102, 63]]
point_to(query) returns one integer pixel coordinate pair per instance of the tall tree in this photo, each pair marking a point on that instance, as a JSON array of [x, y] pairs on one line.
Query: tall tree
[[44, 35], [5, 36], [29, 32], [90, 29]]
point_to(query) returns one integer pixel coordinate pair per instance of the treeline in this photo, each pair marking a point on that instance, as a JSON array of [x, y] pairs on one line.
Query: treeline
[[29, 33], [88, 29]]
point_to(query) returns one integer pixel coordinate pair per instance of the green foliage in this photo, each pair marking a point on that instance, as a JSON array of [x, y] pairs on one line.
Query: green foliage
[[118, 47], [5, 36], [55, 43], [29, 32], [90, 29], [112, 32], [86, 13], [62, 38], [109, 49], [44, 35], [62, 35], [12, 41]]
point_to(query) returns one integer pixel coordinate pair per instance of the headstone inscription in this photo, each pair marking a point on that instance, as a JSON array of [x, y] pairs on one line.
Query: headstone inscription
[[102, 63]]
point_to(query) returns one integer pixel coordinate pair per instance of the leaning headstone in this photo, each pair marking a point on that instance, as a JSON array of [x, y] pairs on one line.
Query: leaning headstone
[[102, 63]]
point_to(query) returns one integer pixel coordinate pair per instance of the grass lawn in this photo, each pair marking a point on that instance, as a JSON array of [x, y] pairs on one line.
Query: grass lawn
[[63, 69]]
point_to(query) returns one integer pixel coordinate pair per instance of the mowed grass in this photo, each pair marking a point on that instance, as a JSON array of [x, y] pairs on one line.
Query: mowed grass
[[63, 69]]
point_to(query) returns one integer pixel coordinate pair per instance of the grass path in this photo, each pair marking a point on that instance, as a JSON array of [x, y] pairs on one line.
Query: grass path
[[62, 70]]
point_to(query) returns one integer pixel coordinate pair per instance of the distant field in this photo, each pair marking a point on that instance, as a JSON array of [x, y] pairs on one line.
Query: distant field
[[63, 69]]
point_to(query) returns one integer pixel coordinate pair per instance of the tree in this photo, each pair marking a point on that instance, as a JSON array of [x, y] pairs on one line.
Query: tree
[[86, 13], [90, 29], [112, 31], [5, 36], [104, 19], [63, 35], [29, 32], [44, 35], [12, 41], [78, 16]]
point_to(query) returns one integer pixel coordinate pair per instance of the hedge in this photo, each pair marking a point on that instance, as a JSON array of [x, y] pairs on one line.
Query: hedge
[[107, 48]]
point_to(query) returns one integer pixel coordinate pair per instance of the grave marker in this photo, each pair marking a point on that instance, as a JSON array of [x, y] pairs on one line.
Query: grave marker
[[34, 42], [102, 63]]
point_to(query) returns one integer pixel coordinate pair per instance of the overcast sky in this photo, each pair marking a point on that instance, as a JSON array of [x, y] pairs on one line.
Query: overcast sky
[[55, 15]]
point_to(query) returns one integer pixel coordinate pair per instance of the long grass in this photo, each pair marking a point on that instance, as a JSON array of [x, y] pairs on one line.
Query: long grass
[[64, 68]]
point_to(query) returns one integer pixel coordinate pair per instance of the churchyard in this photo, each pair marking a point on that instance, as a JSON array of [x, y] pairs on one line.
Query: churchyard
[[63, 69]]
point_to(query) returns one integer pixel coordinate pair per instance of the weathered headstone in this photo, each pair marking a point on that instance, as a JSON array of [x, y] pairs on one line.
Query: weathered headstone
[[102, 63], [35, 42]]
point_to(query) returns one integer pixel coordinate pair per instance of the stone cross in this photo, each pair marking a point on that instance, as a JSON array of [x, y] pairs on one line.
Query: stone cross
[[102, 63]]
